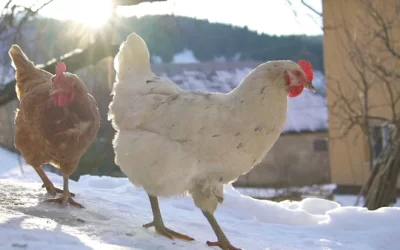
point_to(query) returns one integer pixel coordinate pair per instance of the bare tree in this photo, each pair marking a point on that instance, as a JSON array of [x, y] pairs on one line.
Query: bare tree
[[12, 20], [369, 98], [15, 16]]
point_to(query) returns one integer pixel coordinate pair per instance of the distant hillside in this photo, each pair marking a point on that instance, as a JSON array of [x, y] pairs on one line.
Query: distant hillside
[[168, 35]]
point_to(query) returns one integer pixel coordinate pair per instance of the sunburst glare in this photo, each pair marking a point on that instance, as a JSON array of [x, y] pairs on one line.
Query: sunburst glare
[[93, 13]]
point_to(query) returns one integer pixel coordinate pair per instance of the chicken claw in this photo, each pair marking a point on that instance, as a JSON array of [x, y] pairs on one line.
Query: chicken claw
[[64, 199], [222, 242], [66, 196], [158, 223], [54, 191], [48, 184], [222, 245], [164, 231]]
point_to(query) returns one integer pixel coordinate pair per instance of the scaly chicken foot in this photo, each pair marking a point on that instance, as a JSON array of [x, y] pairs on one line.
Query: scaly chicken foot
[[64, 199], [164, 231], [66, 196], [54, 190], [48, 184], [158, 223], [222, 245], [223, 241]]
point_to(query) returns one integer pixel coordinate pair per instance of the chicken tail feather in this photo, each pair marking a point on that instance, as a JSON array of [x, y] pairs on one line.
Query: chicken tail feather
[[19, 60], [25, 70], [133, 58]]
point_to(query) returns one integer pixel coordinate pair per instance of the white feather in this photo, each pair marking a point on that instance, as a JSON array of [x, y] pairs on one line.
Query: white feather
[[171, 142]]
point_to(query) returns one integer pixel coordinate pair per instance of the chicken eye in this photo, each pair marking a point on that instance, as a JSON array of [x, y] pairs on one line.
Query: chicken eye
[[297, 73]]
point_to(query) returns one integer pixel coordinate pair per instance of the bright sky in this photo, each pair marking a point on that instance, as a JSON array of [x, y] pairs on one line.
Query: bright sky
[[275, 17]]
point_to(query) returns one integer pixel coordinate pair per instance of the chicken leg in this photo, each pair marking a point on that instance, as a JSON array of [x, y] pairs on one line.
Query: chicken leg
[[159, 224], [48, 184], [66, 196], [223, 241]]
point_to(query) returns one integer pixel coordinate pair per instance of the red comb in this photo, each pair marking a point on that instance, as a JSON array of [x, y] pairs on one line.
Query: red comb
[[307, 68], [60, 68]]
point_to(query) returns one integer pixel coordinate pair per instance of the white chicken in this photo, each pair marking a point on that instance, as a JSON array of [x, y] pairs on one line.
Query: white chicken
[[172, 142]]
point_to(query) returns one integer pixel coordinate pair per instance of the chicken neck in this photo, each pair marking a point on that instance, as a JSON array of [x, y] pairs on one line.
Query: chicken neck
[[159, 224], [66, 196], [257, 90], [223, 241], [260, 99]]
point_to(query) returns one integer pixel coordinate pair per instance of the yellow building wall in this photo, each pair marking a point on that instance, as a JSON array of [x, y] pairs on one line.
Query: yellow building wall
[[349, 26]]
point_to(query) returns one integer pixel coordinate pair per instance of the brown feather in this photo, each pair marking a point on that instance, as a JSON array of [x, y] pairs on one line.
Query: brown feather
[[46, 133]]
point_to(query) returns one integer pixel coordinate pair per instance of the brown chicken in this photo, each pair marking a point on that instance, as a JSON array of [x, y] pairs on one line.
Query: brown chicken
[[56, 122]]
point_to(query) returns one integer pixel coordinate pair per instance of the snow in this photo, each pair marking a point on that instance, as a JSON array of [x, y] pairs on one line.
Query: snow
[[10, 163], [115, 211], [306, 113], [271, 192], [156, 59], [350, 200], [319, 82], [185, 56], [220, 59]]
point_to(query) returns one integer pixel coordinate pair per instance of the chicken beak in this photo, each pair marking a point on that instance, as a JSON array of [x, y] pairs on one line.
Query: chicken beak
[[309, 86], [54, 91]]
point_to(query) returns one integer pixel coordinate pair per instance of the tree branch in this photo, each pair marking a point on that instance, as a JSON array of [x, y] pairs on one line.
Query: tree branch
[[133, 2], [75, 61], [311, 8]]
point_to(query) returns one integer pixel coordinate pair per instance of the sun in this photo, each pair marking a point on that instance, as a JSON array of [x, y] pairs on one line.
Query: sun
[[94, 13], [91, 13]]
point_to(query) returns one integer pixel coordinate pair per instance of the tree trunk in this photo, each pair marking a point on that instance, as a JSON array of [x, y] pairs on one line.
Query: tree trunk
[[380, 189]]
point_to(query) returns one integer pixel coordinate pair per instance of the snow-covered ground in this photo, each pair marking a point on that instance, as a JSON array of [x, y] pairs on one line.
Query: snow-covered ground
[[270, 192], [307, 191], [115, 211]]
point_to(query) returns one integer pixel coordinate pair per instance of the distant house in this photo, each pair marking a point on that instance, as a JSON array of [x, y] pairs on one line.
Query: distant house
[[300, 156]]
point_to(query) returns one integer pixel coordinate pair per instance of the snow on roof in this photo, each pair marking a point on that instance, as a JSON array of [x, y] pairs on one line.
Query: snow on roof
[[306, 113], [185, 56]]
